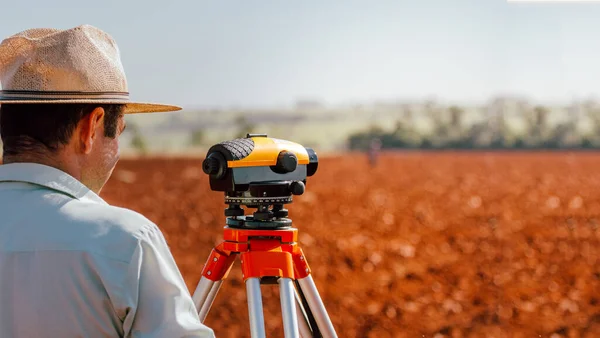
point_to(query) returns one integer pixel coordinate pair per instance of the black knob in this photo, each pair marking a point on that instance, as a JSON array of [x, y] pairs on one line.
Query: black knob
[[214, 165], [279, 211], [297, 188], [211, 166], [286, 162], [234, 210], [263, 215]]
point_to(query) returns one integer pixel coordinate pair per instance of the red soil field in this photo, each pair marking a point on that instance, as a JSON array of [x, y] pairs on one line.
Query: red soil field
[[422, 245]]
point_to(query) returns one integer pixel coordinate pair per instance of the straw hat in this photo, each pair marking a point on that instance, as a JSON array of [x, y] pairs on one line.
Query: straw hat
[[78, 65]]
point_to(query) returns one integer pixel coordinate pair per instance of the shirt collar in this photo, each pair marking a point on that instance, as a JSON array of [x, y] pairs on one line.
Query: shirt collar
[[48, 177]]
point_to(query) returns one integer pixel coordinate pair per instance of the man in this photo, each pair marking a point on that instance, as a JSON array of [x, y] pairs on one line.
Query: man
[[70, 264], [373, 151]]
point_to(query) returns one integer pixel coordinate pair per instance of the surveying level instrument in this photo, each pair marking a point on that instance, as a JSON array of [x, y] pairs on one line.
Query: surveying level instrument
[[263, 173]]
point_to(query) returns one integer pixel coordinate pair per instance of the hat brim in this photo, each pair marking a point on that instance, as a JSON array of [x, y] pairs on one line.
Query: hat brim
[[130, 107]]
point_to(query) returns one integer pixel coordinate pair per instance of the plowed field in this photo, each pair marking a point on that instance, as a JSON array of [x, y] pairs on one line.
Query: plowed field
[[423, 245]]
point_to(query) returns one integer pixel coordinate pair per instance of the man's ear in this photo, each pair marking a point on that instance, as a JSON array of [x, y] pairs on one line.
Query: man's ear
[[89, 128]]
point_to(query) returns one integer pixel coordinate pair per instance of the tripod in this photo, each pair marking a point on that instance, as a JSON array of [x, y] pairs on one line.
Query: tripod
[[269, 254]]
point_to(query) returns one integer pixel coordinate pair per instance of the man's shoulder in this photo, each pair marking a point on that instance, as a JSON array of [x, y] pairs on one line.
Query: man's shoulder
[[109, 230], [116, 218]]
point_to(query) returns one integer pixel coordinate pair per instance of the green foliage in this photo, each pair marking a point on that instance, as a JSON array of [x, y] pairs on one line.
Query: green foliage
[[449, 132], [243, 126], [137, 140], [197, 137], [399, 138]]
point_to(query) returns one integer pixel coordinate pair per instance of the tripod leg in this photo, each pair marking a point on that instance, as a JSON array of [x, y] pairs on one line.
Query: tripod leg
[[303, 327], [288, 308], [209, 300], [202, 291], [309, 289], [255, 308], [307, 316], [215, 270]]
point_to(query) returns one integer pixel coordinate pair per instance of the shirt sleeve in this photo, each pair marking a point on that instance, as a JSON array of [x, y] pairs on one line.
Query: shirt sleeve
[[164, 306]]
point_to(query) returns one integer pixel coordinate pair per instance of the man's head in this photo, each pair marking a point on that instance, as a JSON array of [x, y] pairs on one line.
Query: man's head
[[63, 96], [81, 137]]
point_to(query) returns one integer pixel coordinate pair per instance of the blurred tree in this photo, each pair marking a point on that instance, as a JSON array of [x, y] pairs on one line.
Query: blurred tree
[[441, 130], [407, 114], [574, 113], [137, 140], [404, 135], [566, 135], [592, 112], [563, 136], [537, 126], [362, 140], [594, 115], [243, 126], [498, 130], [448, 130], [456, 117], [197, 137], [455, 122]]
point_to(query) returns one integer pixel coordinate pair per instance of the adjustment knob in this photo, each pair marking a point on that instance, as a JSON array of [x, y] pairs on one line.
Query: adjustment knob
[[286, 162], [211, 166], [233, 211], [297, 188], [214, 165], [280, 213]]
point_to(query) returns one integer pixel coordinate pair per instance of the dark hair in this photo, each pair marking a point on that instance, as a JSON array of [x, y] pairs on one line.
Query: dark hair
[[27, 127]]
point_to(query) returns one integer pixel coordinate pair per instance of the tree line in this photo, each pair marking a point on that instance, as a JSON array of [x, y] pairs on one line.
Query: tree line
[[579, 128]]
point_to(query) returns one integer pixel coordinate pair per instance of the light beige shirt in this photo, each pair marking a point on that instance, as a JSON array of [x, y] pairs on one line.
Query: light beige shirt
[[73, 266]]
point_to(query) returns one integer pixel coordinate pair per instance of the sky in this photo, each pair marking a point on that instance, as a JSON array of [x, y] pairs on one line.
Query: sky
[[271, 53]]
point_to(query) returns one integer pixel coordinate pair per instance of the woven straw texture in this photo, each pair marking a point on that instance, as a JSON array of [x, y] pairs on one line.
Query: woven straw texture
[[77, 65]]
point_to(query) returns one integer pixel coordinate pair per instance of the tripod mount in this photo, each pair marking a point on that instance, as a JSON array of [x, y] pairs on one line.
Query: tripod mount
[[263, 173]]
